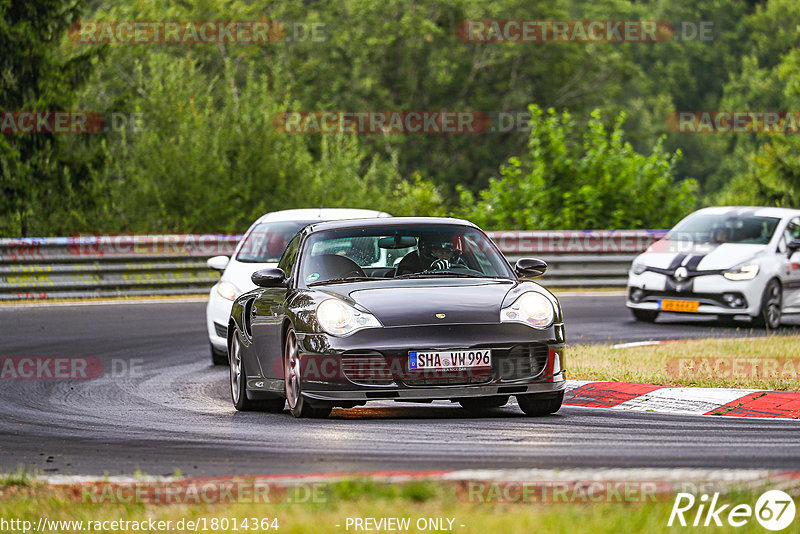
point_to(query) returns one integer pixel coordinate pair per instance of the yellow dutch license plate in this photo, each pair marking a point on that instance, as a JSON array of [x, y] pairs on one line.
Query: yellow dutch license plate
[[679, 305]]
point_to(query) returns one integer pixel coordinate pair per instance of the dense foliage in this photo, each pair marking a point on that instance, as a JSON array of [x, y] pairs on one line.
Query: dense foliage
[[576, 176], [205, 156]]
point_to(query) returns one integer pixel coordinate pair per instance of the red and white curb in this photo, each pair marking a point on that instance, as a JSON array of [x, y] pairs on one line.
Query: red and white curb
[[683, 400]]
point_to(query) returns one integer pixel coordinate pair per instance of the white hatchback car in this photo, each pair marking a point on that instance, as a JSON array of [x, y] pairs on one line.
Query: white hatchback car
[[724, 261], [260, 248]]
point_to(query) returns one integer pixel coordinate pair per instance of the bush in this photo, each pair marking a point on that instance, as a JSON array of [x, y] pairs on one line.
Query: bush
[[581, 177]]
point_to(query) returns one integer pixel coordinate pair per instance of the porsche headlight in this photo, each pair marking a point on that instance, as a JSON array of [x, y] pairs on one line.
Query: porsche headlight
[[742, 272], [340, 319], [532, 309], [227, 290], [638, 267]]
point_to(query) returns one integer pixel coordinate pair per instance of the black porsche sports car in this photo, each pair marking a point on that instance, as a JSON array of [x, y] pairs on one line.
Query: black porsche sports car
[[408, 309]]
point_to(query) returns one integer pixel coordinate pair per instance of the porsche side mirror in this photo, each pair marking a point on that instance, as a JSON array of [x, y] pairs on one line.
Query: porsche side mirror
[[218, 263], [530, 267], [793, 246], [269, 278]]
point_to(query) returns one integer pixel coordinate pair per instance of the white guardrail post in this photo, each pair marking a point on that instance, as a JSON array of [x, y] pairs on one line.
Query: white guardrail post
[[143, 265]]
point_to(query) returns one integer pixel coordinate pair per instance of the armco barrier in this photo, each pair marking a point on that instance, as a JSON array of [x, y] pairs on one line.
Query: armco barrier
[[103, 266]]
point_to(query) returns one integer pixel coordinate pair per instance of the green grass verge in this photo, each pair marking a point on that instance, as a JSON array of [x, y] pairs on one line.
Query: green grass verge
[[770, 362], [363, 498]]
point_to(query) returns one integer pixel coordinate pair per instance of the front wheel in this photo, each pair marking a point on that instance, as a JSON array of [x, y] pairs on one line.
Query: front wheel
[[646, 316], [770, 314], [239, 384], [537, 405], [298, 405]]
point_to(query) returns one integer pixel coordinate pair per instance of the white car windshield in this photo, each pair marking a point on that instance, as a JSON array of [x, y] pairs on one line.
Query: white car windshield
[[266, 242], [723, 228]]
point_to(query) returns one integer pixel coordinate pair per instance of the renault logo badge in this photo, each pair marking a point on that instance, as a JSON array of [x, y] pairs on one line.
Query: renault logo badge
[[681, 274]]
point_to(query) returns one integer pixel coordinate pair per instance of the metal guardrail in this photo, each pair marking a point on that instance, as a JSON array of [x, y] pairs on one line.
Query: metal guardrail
[[105, 266]]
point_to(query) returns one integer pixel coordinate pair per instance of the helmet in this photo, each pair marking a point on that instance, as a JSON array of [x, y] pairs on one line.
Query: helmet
[[427, 243]]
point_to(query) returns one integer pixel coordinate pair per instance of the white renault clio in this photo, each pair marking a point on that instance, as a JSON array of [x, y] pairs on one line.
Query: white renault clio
[[724, 261], [260, 248]]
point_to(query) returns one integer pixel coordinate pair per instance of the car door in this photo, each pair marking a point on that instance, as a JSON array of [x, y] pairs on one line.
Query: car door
[[791, 267], [270, 310]]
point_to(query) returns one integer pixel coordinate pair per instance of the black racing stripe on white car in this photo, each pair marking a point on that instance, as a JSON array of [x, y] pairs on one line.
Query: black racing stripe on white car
[[694, 261], [676, 262]]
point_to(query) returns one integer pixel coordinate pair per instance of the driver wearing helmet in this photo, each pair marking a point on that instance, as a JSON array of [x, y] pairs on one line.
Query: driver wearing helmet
[[434, 253]]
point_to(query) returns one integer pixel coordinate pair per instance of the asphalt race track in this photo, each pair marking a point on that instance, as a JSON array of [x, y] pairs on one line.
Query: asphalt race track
[[172, 411]]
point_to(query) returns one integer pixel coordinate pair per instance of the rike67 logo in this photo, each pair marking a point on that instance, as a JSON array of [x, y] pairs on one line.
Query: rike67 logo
[[774, 510]]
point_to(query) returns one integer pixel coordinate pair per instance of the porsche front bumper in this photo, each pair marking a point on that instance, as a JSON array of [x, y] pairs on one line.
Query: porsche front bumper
[[524, 361]]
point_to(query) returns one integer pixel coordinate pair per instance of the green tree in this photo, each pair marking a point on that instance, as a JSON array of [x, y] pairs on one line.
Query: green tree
[[40, 180], [771, 175], [582, 177], [406, 55], [207, 157]]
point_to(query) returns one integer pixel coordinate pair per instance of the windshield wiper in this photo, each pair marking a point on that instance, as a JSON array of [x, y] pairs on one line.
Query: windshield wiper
[[343, 280], [434, 274]]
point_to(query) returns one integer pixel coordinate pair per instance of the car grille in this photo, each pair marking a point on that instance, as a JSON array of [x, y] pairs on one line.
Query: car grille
[[539, 353], [446, 378], [371, 368], [221, 330], [714, 299], [522, 361], [366, 369]]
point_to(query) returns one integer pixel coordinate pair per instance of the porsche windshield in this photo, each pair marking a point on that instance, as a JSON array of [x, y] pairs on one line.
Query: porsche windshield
[[401, 252], [722, 228], [266, 242]]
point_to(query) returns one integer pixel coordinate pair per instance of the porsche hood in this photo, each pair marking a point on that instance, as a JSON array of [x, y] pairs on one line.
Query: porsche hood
[[424, 302]]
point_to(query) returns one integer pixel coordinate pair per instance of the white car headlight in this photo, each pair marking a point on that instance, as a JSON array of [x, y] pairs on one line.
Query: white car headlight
[[340, 319], [227, 290], [742, 272], [532, 309], [638, 267]]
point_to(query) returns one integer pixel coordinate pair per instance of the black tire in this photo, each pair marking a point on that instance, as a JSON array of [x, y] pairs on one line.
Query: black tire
[[537, 405], [646, 316], [218, 357], [770, 314], [481, 404], [299, 405], [239, 384]]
